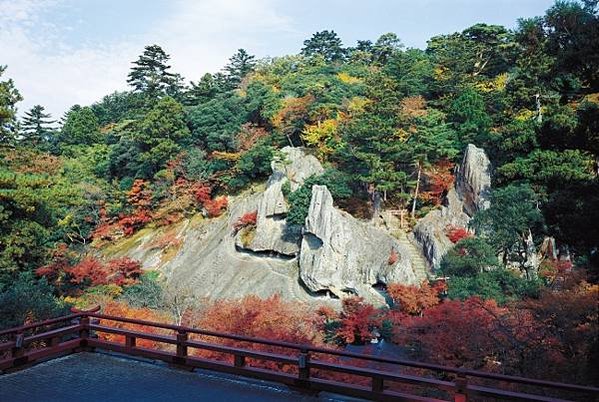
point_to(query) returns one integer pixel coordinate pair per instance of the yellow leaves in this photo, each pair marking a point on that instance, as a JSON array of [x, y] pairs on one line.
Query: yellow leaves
[[348, 79], [227, 156], [441, 73], [497, 84], [356, 105], [593, 98], [524, 114], [413, 106], [321, 135]]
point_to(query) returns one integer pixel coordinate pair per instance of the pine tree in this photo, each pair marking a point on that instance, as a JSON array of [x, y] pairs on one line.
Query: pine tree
[[9, 96], [324, 43], [35, 126], [240, 64], [151, 74]]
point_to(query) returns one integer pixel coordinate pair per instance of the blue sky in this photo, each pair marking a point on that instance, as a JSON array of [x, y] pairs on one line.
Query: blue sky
[[62, 52]]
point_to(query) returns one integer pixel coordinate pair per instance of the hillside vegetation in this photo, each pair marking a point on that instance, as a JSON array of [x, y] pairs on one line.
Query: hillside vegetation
[[389, 124]]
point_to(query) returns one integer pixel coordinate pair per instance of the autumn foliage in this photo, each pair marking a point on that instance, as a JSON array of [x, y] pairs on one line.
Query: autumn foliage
[[93, 272], [455, 234], [246, 220], [123, 310], [414, 300], [440, 179], [271, 318]]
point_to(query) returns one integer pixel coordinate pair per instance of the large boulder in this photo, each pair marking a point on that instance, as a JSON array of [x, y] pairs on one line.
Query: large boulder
[[470, 195], [272, 234], [473, 180], [341, 254]]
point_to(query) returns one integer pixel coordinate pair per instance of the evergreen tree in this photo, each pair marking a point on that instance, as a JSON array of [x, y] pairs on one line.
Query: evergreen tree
[[326, 44], [9, 96], [386, 46], [36, 126], [151, 74], [202, 91], [240, 64], [80, 127]]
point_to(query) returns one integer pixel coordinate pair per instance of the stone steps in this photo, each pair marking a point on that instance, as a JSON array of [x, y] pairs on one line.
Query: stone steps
[[418, 262]]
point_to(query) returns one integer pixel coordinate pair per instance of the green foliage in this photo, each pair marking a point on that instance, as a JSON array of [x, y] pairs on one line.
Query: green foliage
[[507, 223], [151, 75], [500, 285], [470, 118], [28, 299], [325, 44], [146, 293], [253, 165], [240, 65], [469, 257], [35, 127], [338, 183], [214, 124], [81, 127], [9, 97]]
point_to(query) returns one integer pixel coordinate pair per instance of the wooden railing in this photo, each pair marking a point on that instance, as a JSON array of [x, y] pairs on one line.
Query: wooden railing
[[311, 368]]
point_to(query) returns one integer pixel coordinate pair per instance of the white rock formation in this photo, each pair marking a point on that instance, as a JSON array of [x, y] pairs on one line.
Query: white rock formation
[[340, 253], [473, 181], [471, 194], [272, 234]]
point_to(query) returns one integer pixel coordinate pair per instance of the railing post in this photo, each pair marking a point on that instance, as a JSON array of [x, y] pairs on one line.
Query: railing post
[[182, 338], [18, 350], [303, 364], [130, 341], [461, 388], [84, 331], [378, 385], [239, 361]]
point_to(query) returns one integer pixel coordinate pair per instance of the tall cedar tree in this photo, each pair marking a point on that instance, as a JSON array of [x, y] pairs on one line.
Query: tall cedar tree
[[36, 126], [326, 44], [9, 96], [240, 64], [151, 74]]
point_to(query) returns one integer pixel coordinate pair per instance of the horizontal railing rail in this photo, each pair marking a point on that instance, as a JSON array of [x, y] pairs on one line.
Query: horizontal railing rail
[[313, 368]]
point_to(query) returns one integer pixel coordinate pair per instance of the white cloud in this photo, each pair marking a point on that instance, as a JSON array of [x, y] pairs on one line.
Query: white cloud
[[199, 35]]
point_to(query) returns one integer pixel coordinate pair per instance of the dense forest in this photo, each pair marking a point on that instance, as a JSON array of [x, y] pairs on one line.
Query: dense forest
[[389, 124]]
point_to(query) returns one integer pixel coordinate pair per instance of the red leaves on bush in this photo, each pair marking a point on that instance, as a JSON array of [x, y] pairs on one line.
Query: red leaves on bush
[[440, 180], [123, 271], [414, 300], [140, 195], [121, 309], [131, 223], [119, 271], [247, 219], [455, 234], [358, 321], [202, 193], [216, 206]]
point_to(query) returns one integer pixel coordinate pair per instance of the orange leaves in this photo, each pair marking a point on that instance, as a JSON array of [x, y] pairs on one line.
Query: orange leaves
[[123, 310], [91, 271], [216, 206], [440, 179], [414, 300], [271, 318], [140, 195], [213, 207], [248, 136]]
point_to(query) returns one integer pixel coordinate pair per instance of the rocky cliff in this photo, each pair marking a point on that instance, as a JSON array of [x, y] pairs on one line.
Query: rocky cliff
[[341, 254], [470, 194]]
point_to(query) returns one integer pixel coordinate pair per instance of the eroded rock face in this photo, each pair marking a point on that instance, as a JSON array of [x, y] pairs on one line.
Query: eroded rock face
[[470, 195], [340, 253], [473, 181], [272, 233]]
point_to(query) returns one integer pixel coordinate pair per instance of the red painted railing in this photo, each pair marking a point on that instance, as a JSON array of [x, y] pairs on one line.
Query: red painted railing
[[313, 368]]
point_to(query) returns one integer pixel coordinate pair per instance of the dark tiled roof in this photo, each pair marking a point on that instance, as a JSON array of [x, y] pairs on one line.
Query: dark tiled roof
[[92, 377]]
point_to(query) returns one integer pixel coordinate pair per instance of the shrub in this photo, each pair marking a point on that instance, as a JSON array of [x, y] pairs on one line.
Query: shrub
[[469, 257], [247, 219], [455, 234]]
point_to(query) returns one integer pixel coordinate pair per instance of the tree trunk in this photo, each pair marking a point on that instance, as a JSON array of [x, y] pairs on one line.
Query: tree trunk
[[376, 204], [416, 190]]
